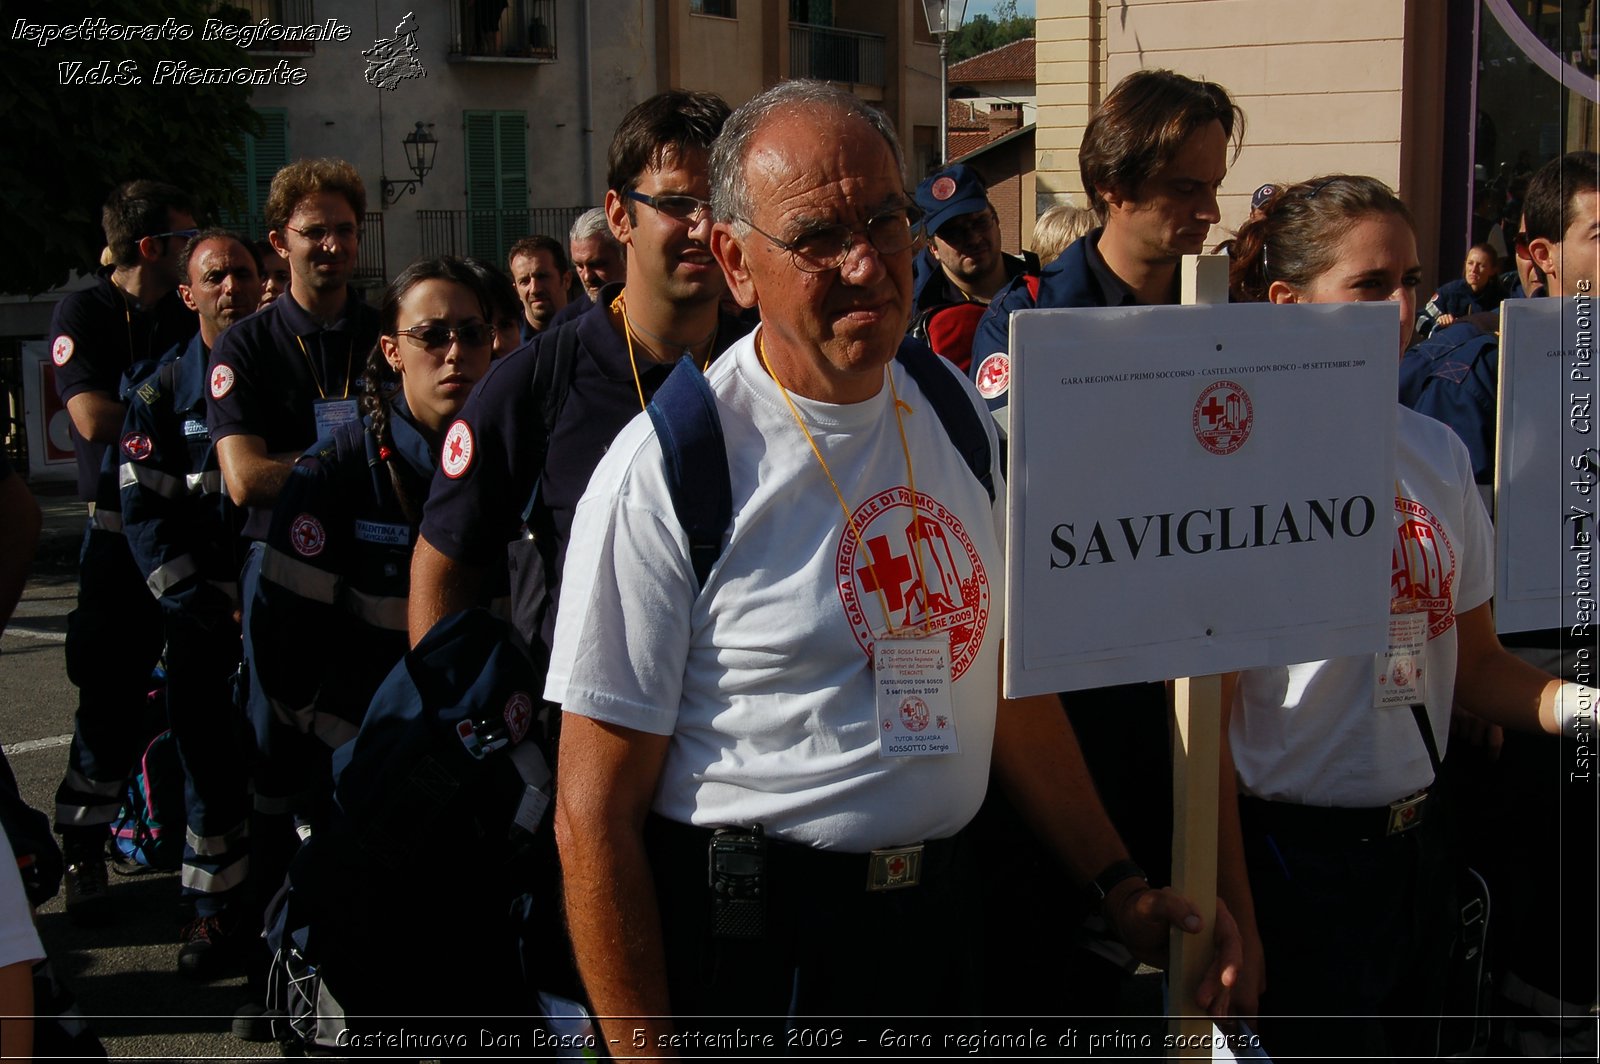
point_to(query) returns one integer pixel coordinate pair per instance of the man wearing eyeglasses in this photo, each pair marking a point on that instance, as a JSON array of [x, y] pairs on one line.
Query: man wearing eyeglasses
[[963, 266], [278, 381], [285, 377], [544, 416], [764, 780], [130, 315]]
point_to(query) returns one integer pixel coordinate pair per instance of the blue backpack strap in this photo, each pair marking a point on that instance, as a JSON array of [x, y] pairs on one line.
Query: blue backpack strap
[[949, 400], [684, 412]]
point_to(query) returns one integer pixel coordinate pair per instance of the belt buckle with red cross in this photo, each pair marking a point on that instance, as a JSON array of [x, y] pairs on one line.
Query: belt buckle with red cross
[[1406, 813], [894, 868]]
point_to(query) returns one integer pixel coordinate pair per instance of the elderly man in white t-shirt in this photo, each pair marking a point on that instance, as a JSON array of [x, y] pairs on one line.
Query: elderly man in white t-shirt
[[754, 817]]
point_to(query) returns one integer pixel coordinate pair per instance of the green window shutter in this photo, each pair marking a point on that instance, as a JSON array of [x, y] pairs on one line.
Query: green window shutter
[[497, 181], [255, 164], [511, 128]]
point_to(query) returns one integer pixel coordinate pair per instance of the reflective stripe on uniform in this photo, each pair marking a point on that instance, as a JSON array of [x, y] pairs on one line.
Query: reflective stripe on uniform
[[198, 879], [163, 484], [106, 521], [99, 788], [169, 575], [380, 611], [297, 717], [217, 845], [207, 483], [297, 577]]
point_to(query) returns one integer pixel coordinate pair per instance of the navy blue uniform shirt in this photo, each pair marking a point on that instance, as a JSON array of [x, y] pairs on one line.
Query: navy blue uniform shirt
[[268, 371], [95, 336], [471, 516]]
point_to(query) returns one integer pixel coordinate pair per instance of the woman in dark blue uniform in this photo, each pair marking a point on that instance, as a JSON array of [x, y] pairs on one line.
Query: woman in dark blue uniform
[[327, 617]]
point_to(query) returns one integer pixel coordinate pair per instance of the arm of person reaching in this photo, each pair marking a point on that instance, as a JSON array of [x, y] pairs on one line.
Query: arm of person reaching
[[96, 415], [440, 586], [1233, 881], [252, 476], [20, 522], [608, 776], [1039, 763], [1496, 685]]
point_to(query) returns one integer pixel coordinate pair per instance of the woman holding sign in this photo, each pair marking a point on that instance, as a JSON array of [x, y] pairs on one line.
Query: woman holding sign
[[1338, 828]]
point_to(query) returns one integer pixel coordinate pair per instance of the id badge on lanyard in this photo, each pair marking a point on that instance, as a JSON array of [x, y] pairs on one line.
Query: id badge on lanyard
[[1398, 678], [911, 681], [332, 413]]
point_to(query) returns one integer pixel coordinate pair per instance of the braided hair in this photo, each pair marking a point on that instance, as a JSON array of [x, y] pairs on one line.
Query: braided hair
[[1296, 238], [379, 381]]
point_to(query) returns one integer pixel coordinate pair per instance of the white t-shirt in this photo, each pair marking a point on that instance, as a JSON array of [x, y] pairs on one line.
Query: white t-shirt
[[1310, 733], [19, 941], [763, 679]]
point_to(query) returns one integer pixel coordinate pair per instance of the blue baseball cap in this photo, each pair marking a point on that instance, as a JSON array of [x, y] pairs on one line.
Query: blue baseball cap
[[950, 193]]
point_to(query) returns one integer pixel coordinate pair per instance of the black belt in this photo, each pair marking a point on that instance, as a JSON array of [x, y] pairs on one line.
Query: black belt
[[891, 868], [1360, 824]]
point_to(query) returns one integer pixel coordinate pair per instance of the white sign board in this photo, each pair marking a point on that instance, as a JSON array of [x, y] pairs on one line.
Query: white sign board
[[50, 450], [1547, 466], [1197, 489]]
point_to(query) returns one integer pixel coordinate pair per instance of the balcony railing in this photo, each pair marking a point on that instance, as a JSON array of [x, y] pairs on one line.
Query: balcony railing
[[503, 29], [489, 234], [371, 259], [829, 54], [280, 12]]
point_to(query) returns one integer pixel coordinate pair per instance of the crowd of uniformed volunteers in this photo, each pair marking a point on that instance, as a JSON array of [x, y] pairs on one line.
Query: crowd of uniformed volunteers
[[747, 824]]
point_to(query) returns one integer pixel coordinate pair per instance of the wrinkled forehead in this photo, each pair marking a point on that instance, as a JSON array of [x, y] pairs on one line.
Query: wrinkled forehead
[[832, 157], [219, 252]]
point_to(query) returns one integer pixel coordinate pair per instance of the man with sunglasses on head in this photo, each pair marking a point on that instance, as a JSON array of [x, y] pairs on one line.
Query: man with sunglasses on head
[[767, 761], [544, 416], [130, 315], [963, 267]]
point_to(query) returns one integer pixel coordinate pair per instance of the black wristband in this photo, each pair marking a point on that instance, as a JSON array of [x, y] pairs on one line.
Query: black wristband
[[1101, 886]]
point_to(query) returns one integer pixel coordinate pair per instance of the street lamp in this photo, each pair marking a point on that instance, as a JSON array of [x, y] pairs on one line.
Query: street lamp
[[419, 145], [944, 18]]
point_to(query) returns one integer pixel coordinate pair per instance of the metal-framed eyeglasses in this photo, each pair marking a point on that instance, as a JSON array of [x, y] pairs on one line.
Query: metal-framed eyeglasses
[[438, 337], [319, 234], [680, 208], [827, 247]]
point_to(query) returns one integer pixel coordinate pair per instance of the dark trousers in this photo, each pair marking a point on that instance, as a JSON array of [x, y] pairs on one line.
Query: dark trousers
[[831, 949], [114, 639], [1356, 931], [209, 730]]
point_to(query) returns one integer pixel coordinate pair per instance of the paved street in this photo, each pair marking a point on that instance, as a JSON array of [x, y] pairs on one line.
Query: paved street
[[125, 975]]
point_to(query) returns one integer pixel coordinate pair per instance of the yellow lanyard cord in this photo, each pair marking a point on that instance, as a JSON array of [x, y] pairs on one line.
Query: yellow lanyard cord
[[849, 518], [349, 359], [620, 305]]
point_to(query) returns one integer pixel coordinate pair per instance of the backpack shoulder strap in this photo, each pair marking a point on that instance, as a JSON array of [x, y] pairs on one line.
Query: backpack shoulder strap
[[684, 412], [949, 400]]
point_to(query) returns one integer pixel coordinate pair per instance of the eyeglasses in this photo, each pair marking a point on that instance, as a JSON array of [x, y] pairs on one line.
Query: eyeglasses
[[319, 234], [187, 234], [960, 230], [439, 337], [826, 248], [679, 208]]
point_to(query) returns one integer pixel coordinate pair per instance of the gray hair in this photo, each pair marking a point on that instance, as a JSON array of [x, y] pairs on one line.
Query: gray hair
[[730, 193], [592, 222]]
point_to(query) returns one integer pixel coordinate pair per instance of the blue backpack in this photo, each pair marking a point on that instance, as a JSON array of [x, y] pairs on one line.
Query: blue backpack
[[149, 828]]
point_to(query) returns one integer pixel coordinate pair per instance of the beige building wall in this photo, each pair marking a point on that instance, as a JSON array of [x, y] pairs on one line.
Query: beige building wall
[[1355, 87]]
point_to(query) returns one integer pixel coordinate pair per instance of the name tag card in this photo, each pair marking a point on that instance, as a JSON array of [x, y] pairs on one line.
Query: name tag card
[[1197, 489]]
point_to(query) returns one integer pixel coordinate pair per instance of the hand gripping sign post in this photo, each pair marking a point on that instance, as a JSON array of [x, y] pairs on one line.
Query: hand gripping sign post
[[1547, 466], [1195, 490]]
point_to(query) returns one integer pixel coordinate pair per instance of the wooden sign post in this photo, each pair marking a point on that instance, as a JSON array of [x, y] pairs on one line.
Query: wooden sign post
[[1196, 751]]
